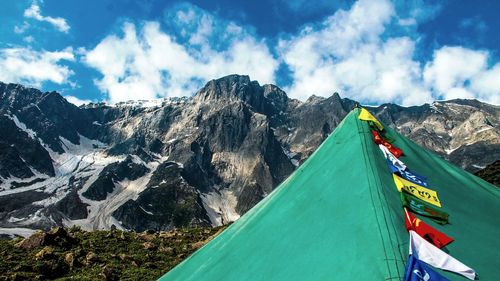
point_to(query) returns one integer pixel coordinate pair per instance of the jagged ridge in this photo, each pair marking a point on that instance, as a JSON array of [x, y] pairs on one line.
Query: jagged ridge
[[203, 160]]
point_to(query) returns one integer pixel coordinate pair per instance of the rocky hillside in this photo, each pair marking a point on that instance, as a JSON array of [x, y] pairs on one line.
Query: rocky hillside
[[198, 161], [465, 132]]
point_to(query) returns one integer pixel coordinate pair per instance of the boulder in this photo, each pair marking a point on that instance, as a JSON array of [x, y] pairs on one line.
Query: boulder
[[45, 253], [69, 258], [149, 246], [35, 240], [91, 258], [109, 273]]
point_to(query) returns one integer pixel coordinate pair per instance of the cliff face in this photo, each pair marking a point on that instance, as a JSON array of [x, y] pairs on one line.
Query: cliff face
[[203, 160]]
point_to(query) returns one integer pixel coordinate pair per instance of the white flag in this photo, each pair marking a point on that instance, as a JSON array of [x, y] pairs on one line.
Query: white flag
[[432, 255], [389, 156]]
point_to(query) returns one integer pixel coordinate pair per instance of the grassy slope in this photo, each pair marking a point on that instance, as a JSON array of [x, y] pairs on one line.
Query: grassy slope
[[102, 255]]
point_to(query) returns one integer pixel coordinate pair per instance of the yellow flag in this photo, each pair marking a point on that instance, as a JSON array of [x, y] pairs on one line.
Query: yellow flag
[[365, 115], [425, 194]]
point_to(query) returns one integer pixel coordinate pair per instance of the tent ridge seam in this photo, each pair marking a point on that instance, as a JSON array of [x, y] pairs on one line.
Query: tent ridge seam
[[382, 201], [363, 144]]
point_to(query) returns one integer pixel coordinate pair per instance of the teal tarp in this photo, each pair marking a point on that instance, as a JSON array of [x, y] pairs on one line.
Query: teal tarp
[[339, 217]]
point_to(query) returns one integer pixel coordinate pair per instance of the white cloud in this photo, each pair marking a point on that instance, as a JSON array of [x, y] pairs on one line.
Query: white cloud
[[34, 12], [23, 65], [354, 52], [350, 52], [185, 16], [407, 22], [452, 66], [147, 63], [347, 54], [20, 29], [28, 39], [487, 85], [457, 72], [76, 101]]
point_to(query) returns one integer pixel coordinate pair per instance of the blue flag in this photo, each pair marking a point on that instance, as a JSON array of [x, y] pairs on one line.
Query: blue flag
[[417, 270], [408, 175]]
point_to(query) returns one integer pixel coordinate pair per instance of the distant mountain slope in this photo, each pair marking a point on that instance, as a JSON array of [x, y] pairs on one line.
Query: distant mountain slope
[[491, 173], [203, 160]]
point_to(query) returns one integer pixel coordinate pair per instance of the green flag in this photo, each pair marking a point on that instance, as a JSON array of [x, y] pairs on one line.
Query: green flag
[[420, 207]]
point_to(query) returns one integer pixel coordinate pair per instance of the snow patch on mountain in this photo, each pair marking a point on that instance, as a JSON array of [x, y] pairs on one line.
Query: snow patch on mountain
[[57, 196], [291, 155], [153, 103], [483, 130], [17, 231], [8, 183], [22, 126], [7, 189], [220, 206], [74, 154], [101, 212], [30, 219], [450, 150]]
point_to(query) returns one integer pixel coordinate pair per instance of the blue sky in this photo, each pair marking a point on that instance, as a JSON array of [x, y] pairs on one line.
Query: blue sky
[[374, 51]]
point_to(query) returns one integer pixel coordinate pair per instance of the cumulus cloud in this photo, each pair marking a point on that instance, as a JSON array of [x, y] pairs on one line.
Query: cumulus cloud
[[351, 52], [144, 62], [76, 101], [34, 12], [346, 53], [457, 72], [27, 66], [367, 53]]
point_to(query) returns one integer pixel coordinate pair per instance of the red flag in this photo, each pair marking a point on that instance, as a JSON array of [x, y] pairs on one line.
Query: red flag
[[379, 140], [426, 231]]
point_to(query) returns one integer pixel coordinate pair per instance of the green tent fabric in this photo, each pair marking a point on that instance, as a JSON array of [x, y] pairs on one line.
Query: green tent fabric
[[339, 217]]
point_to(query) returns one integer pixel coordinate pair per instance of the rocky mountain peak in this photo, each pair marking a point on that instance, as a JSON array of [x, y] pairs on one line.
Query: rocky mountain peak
[[203, 160], [228, 87], [233, 88], [15, 96]]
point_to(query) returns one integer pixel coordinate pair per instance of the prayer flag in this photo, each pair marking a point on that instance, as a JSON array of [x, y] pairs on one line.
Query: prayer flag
[[425, 194], [407, 175], [420, 207], [367, 116], [419, 271], [430, 254], [379, 140], [426, 231], [390, 157]]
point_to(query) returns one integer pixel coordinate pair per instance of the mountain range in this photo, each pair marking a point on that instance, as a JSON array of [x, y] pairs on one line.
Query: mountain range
[[202, 160]]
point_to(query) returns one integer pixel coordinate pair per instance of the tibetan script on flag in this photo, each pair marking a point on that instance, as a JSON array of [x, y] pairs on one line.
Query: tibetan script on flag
[[425, 194], [420, 207]]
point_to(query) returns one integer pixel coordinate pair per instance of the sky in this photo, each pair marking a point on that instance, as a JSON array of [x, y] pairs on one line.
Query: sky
[[374, 51]]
